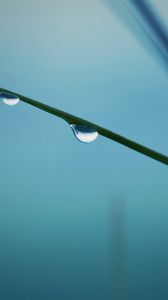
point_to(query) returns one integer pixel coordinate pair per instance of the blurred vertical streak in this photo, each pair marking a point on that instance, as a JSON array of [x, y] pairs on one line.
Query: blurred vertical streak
[[118, 248]]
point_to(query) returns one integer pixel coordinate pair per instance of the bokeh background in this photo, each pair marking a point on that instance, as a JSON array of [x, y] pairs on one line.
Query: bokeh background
[[80, 221]]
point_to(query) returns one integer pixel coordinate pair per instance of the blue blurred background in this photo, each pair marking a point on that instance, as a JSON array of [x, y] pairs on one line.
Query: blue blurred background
[[80, 221]]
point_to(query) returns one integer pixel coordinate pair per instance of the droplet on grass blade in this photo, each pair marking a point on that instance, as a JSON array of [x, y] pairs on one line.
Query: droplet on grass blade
[[84, 133], [9, 99]]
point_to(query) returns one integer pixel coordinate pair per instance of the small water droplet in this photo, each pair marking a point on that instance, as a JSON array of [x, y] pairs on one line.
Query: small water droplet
[[84, 133], [9, 99]]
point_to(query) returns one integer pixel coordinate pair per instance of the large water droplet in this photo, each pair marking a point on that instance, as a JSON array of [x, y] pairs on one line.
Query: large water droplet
[[9, 99], [84, 133]]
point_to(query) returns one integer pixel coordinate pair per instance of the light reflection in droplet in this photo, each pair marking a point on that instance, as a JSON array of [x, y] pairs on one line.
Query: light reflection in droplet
[[9, 99], [84, 133]]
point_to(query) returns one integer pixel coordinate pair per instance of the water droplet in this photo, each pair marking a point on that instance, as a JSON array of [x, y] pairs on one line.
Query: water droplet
[[84, 133], [9, 99]]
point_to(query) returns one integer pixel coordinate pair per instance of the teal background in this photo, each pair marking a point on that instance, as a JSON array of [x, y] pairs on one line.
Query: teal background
[[59, 234]]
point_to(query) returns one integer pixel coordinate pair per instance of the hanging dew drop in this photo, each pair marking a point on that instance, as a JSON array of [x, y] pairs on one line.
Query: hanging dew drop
[[9, 99], [84, 133]]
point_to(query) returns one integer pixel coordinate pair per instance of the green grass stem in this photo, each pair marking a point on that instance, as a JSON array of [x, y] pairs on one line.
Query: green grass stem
[[71, 119]]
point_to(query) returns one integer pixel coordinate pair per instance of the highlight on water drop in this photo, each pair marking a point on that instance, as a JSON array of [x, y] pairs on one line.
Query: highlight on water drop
[[84, 133], [9, 99]]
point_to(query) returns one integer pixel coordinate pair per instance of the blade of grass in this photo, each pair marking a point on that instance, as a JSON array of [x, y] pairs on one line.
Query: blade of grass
[[71, 119], [144, 22], [153, 23]]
